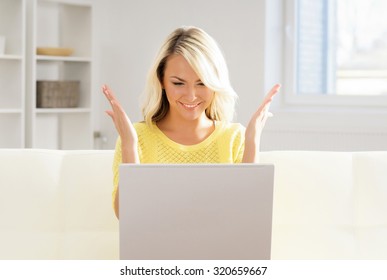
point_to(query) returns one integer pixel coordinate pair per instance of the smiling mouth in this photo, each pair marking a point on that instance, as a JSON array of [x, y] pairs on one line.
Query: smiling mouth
[[190, 106]]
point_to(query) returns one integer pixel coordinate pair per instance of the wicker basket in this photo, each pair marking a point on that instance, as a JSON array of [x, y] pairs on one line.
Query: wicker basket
[[57, 94]]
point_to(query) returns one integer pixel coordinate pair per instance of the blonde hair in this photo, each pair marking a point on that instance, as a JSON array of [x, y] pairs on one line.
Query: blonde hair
[[205, 57]]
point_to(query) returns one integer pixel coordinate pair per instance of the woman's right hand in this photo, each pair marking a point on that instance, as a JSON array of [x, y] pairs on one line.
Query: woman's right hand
[[124, 127]]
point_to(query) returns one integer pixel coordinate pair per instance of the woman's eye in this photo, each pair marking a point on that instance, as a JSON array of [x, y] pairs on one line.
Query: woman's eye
[[177, 83]]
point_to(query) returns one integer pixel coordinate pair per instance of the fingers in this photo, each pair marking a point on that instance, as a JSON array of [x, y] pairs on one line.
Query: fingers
[[105, 91], [116, 108], [112, 100], [263, 113], [268, 98], [108, 93], [121, 121], [274, 90], [110, 114]]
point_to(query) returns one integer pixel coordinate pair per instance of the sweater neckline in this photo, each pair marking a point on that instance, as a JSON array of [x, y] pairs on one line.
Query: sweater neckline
[[172, 143]]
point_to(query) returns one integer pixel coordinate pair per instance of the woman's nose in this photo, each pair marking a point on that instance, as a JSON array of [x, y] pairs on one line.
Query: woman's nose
[[191, 94]]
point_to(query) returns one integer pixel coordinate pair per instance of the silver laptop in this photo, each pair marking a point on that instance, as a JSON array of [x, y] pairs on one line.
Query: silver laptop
[[196, 211]]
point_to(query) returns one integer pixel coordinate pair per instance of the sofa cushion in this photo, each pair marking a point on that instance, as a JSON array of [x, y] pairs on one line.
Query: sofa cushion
[[29, 203], [313, 211], [370, 177], [89, 223], [57, 205], [327, 205]]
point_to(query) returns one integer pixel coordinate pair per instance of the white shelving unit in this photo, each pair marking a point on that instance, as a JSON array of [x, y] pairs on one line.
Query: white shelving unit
[[12, 74], [60, 23]]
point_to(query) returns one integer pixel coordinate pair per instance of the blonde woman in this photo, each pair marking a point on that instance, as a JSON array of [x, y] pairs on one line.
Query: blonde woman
[[188, 108]]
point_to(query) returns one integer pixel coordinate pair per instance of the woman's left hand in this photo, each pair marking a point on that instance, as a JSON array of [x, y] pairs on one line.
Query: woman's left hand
[[256, 125]]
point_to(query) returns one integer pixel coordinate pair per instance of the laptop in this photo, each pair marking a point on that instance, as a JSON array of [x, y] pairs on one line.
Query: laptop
[[195, 211]]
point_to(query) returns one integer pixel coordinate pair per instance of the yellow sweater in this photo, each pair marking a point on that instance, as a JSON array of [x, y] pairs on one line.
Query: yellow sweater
[[224, 145]]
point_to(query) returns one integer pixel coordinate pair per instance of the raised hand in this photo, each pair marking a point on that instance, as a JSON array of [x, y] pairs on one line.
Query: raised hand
[[123, 126], [256, 125]]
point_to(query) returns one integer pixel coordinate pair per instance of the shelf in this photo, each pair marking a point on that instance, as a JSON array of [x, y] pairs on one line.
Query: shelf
[[12, 73], [11, 57], [62, 110], [65, 23], [63, 58], [11, 111], [12, 27], [63, 129], [27, 24]]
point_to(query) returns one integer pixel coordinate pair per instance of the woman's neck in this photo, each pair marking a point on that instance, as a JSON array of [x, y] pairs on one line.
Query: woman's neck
[[186, 132]]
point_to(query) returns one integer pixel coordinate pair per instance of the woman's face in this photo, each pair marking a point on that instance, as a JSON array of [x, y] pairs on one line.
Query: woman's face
[[188, 97]]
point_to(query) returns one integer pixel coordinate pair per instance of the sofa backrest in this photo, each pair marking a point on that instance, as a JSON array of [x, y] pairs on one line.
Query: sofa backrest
[[57, 205], [329, 205], [370, 187], [29, 203], [89, 222]]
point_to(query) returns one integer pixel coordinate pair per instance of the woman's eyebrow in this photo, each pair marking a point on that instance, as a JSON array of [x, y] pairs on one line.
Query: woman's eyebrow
[[182, 80]]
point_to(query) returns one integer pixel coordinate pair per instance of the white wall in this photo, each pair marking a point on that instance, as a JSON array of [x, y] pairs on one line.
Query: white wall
[[129, 33]]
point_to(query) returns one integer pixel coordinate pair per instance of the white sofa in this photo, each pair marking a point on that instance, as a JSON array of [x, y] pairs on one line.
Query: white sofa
[[329, 205], [57, 205]]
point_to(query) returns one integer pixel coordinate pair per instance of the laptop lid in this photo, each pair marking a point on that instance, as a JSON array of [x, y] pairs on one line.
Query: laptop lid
[[199, 211]]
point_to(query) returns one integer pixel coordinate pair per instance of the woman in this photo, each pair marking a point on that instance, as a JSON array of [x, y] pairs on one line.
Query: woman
[[188, 107]]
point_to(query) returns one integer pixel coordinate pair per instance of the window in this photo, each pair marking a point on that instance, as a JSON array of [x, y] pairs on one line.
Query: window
[[337, 48]]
